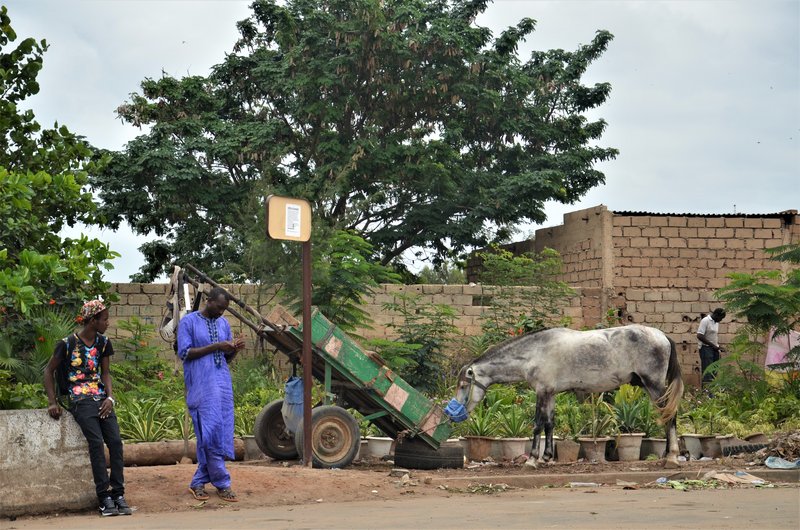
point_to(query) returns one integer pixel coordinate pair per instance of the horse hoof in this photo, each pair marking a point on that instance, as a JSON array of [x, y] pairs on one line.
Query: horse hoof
[[531, 462], [671, 463]]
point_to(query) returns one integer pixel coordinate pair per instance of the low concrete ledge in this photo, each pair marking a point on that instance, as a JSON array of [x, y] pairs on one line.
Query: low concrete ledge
[[44, 464]]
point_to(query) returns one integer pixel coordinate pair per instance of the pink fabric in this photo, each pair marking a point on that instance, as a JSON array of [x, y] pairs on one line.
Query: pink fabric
[[779, 346]]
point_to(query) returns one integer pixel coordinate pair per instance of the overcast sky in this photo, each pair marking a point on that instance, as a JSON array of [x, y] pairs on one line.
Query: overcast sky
[[705, 102]]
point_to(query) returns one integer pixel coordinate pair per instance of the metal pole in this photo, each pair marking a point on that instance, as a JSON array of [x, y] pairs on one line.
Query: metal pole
[[308, 457]]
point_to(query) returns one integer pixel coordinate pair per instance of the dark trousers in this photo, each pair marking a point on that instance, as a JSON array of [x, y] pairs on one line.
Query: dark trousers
[[708, 355], [97, 431]]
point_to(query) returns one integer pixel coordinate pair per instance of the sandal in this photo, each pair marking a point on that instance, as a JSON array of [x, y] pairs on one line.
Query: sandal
[[199, 493], [227, 494]]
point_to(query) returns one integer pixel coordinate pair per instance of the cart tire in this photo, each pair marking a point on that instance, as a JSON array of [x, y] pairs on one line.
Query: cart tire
[[414, 453], [270, 433], [335, 437]]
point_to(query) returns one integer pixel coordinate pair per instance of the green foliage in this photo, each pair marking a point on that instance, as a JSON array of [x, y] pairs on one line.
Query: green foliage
[[400, 119], [426, 329], [512, 422], [600, 418], [482, 420], [631, 410], [146, 420], [767, 300], [343, 276], [135, 347], [43, 173], [445, 273], [15, 395], [570, 417], [515, 311]]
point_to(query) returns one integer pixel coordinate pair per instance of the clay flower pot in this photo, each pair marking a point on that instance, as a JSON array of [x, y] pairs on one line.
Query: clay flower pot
[[629, 445], [594, 449]]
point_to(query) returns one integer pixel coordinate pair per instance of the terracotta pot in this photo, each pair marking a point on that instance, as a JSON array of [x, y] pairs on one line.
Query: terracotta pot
[[478, 447], [629, 445], [594, 449]]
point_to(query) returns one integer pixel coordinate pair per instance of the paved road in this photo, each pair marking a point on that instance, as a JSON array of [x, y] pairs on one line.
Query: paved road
[[601, 508]]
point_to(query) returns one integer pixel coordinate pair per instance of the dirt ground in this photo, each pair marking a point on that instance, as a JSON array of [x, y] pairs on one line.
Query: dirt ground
[[266, 483]]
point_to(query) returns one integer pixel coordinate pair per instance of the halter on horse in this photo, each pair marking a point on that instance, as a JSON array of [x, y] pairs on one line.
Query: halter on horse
[[560, 359]]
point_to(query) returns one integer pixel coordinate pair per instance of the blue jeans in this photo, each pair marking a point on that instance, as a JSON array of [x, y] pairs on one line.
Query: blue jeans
[[708, 355], [98, 431]]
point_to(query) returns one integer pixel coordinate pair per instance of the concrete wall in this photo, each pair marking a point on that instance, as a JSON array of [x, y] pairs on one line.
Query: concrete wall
[[44, 464]]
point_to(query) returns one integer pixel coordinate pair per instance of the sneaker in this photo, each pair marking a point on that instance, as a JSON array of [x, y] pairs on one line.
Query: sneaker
[[107, 507], [122, 506]]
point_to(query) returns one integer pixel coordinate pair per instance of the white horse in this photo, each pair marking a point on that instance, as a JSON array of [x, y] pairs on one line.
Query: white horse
[[561, 359]]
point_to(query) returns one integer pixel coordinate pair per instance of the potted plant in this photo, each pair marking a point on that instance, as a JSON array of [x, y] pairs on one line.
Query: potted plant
[[630, 410], [480, 430], [594, 435], [652, 444], [569, 418], [514, 429]]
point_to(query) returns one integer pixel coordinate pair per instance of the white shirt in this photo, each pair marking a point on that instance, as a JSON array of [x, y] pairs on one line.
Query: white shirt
[[709, 329]]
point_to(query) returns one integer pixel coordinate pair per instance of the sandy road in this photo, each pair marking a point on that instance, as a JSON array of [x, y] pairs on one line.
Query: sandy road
[[606, 507]]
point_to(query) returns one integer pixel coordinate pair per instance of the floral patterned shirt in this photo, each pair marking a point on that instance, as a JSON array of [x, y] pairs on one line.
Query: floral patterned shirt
[[84, 366]]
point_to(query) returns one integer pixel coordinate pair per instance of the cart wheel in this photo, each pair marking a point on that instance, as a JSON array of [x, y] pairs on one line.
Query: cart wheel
[[335, 437], [271, 435], [414, 453]]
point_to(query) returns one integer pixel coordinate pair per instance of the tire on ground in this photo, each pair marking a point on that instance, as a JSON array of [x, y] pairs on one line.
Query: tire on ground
[[270, 433], [335, 437], [415, 453]]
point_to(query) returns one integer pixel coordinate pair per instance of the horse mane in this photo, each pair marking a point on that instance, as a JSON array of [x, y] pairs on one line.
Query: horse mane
[[497, 349]]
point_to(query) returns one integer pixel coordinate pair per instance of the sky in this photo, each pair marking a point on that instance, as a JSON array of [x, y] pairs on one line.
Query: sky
[[704, 108]]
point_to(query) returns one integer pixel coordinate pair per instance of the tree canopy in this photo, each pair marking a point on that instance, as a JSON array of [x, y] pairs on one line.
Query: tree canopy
[[43, 188], [400, 120]]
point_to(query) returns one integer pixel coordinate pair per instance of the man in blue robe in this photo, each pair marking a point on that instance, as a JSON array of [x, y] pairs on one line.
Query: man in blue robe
[[206, 346]]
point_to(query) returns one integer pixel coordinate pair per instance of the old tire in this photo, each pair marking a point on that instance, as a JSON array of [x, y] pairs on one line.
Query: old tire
[[270, 433], [414, 453], [335, 438]]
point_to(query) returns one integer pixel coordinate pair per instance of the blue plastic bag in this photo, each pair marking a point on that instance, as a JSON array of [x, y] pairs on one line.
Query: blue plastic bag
[[292, 408], [456, 411]]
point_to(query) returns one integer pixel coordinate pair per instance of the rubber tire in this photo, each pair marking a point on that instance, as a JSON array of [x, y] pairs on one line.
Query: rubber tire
[[414, 453], [335, 437], [270, 433]]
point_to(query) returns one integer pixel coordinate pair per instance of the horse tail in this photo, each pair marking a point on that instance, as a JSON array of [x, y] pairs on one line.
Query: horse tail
[[669, 401]]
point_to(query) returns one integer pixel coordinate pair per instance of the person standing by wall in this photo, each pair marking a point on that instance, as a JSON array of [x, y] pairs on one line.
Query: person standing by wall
[[708, 337], [80, 365], [206, 346]]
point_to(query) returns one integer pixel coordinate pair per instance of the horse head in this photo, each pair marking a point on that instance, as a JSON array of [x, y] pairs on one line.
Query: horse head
[[470, 389]]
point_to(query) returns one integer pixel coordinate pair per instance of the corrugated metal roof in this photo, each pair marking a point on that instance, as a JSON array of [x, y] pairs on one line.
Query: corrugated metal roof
[[785, 213]]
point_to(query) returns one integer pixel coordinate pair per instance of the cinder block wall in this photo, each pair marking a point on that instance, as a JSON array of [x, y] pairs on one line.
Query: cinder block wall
[[663, 269]]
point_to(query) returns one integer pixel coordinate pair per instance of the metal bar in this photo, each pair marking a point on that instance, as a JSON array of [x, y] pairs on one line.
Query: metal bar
[[307, 454], [328, 393], [238, 302]]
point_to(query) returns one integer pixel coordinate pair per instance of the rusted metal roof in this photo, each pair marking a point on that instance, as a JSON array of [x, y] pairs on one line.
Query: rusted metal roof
[[783, 214]]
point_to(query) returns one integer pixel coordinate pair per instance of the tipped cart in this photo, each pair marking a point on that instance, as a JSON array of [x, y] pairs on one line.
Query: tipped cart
[[353, 379]]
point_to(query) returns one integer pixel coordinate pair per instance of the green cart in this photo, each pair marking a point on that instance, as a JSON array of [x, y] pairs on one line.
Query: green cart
[[354, 379]]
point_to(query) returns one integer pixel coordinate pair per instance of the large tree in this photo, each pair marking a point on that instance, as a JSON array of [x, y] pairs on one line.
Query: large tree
[[399, 119]]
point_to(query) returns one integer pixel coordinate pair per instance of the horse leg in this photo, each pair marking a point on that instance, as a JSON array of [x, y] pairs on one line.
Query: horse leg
[[537, 429], [548, 412]]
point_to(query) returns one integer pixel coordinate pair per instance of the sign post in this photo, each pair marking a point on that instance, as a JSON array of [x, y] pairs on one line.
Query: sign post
[[290, 220]]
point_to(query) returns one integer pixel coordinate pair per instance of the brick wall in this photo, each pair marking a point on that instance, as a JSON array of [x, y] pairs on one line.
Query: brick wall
[[662, 270]]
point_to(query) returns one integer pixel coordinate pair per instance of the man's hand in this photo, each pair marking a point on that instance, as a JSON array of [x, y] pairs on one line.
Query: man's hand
[[105, 408], [227, 346], [54, 410]]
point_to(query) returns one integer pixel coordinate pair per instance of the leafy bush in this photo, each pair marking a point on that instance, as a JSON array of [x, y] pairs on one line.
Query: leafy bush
[[145, 420]]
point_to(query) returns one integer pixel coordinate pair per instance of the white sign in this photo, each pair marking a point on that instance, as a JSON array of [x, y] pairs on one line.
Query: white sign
[[293, 226]]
